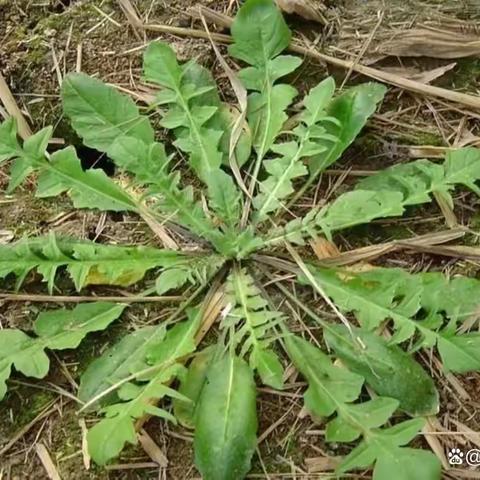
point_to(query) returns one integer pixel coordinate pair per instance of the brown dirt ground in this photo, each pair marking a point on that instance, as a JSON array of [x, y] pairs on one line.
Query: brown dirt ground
[[29, 32]]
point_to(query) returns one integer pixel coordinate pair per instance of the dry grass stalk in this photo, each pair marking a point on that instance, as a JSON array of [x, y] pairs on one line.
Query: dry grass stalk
[[25, 297], [130, 12], [422, 242], [430, 42], [47, 462], [386, 77], [447, 211], [11, 106], [308, 9], [322, 464]]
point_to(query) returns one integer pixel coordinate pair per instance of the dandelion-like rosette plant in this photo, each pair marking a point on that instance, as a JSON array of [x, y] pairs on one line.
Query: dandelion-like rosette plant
[[250, 166]]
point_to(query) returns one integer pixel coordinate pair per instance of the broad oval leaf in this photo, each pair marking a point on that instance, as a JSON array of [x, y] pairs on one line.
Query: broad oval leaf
[[386, 368], [259, 32], [99, 113], [226, 421]]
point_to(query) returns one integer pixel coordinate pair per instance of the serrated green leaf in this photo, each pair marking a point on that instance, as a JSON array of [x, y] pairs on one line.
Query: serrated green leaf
[[371, 414], [171, 279], [152, 373], [189, 116], [191, 387], [385, 194], [145, 161], [87, 263], [383, 294], [87, 189], [350, 209], [55, 330], [407, 463], [34, 149], [359, 206], [9, 146], [21, 351], [259, 35], [386, 368], [63, 173], [253, 322], [419, 179], [328, 385], [460, 353], [226, 421], [266, 115], [351, 110], [463, 166], [391, 459], [117, 362], [284, 169], [99, 113]]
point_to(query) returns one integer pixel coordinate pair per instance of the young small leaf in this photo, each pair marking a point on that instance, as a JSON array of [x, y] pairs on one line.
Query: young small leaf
[[171, 279], [226, 421], [9, 146], [191, 387]]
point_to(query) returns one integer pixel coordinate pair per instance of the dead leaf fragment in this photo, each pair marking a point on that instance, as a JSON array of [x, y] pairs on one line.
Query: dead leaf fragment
[[429, 42], [322, 464], [6, 236], [324, 248], [308, 9]]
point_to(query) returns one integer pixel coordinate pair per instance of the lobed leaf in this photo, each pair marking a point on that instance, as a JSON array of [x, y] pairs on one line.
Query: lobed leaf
[[311, 136], [351, 111], [151, 371], [427, 305], [393, 460], [55, 330], [189, 116], [259, 35], [328, 385], [63, 173], [331, 390], [385, 194], [252, 321], [87, 263]]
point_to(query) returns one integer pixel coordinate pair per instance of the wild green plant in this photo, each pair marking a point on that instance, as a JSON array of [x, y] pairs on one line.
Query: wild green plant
[[248, 175]]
